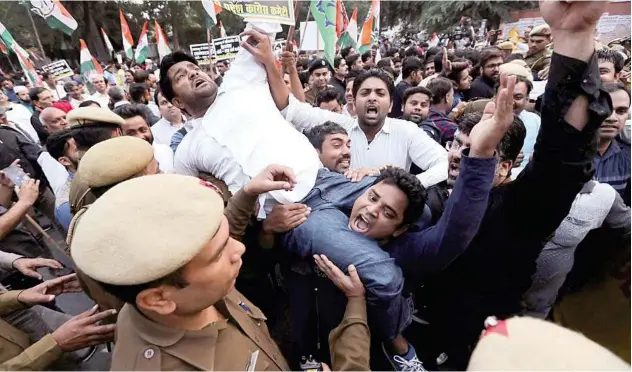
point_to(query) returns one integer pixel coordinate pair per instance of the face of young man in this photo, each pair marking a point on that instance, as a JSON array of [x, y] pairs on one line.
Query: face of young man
[[167, 110], [416, 108], [537, 44], [607, 72], [342, 69], [70, 160], [137, 127], [44, 100], [99, 84], [429, 69], [373, 102], [379, 212], [191, 85], [76, 92], [615, 123], [491, 69], [521, 97], [335, 153], [332, 106]]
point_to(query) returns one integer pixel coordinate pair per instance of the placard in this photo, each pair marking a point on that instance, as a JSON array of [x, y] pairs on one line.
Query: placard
[[275, 11], [225, 48], [59, 69]]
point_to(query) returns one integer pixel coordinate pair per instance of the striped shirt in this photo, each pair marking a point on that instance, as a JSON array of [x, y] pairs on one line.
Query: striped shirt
[[613, 167]]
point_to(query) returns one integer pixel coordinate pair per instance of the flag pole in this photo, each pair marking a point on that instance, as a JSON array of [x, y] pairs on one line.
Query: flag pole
[[309, 12], [10, 63], [39, 42]]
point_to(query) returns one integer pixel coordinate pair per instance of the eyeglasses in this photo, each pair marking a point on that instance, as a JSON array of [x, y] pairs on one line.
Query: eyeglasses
[[495, 65]]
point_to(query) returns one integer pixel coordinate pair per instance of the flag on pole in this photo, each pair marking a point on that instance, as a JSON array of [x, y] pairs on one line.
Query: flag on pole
[[34, 55], [367, 37], [211, 9], [222, 31], [142, 46], [107, 42], [161, 41], [434, 41], [128, 41], [55, 15], [341, 18], [324, 12], [23, 57], [349, 37], [3, 48], [89, 64]]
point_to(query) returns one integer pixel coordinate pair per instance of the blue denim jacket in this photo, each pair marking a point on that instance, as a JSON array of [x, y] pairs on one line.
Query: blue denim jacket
[[326, 232]]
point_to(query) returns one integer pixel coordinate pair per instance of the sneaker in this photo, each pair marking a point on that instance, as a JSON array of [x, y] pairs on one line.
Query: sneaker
[[408, 362]]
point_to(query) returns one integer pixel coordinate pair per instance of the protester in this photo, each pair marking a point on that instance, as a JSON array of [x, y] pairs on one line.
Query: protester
[[117, 97], [340, 74], [171, 121], [349, 109], [439, 126], [329, 100], [19, 118], [75, 93], [461, 81], [41, 99], [53, 120], [483, 86], [416, 104], [354, 62], [610, 65], [7, 88], [140, 95], [411, 76], [333, 145], [100, 95], [531, 121], [23, 96], [61, 147]]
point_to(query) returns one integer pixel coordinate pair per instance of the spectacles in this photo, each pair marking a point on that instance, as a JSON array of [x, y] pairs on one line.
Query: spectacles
[[495, 65]]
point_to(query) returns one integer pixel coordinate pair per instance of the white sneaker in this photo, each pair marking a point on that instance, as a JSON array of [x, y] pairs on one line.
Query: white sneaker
[[399, 363]]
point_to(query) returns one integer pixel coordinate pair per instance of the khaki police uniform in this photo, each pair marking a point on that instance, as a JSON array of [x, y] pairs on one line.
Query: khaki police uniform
[[311, 93], [162, 222], [539, 61], [531, 344], [16, 351]]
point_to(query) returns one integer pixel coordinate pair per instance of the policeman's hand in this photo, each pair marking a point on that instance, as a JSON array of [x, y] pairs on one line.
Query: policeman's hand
[[572, 16], [262, 49], [519, 160], [27, 266], [29, 191], [544, 73], [45, 292], [285, 217], [273, 177], [497, 117], [349, 284], [288, 61], [356, 175], [82, 331]]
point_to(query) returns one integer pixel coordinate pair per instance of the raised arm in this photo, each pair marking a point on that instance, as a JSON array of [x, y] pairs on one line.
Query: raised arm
[[289, 65]]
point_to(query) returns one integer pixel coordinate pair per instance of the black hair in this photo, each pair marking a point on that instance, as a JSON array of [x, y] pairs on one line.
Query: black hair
[[489, 53], [397, 59], [410, 186], [609, 55], [440, 87], [366, 56], [438, 61], [89, 135], [433, 51], [137, 91], [344, 52], [140, 76], [414, 90], [45, 75], [514, 57], [56, 143], [613, 87], [302, 63], [351, 75], [35, 92], [89, 103], [156, 93], [391, 52], [328, 95], [373, 73], [223, 62], [455, 73], [351, 60], [412, 52], [519, 79], [509, 146], [130, 111], [167, 62], [5, 79], [384, 62], [410, 65], [337, 61], [128, 293], [316, 135]]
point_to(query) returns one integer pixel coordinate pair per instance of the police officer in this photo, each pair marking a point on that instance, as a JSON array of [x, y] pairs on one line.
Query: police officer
[[538, 57], [161, 244], [319, 75]]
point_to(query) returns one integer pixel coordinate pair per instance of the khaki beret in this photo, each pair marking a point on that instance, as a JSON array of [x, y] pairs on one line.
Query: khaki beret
[[530, 344], [506, 45], [541, 30], [515, 69], [83, 116], [146, 228], [114, 160]]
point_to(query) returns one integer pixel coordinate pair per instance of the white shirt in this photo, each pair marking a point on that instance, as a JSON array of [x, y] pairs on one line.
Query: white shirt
[[55, 172], [21, 117], [164, 156], [102, 98], [399, 143], [121, 103], [235, 144], [163, 130], [532, 124], [75, 103], [425, 81], [154, 109]]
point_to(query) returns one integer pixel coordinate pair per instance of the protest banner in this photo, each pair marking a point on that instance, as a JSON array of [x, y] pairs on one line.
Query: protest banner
[[225, 48], [59, 69], [276, 11]]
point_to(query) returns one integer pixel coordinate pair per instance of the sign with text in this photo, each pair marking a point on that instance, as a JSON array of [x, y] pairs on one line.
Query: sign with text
[[59, 69], [225, 48], [275, 11]]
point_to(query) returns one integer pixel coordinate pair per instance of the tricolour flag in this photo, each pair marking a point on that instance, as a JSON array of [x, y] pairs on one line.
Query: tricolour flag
[[211, 9], [222, 31], [161, 41], [89, 64], [349, 37], [324, 12], [367, 37], [128, 41], [55, 15], [434, 41], [107, 42], [143, 45], [23, 56], [341, 18]]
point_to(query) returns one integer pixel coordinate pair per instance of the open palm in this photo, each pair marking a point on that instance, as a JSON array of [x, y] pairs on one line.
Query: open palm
[[571, 16]]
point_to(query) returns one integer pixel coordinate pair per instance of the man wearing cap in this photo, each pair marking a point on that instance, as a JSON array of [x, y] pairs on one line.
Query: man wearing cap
[[319, 74], [19, 118], [182, 311], [23, 96], [89, 126], [538, 57]]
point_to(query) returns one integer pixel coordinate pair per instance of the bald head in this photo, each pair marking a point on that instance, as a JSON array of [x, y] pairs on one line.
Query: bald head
[[53, 120]]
